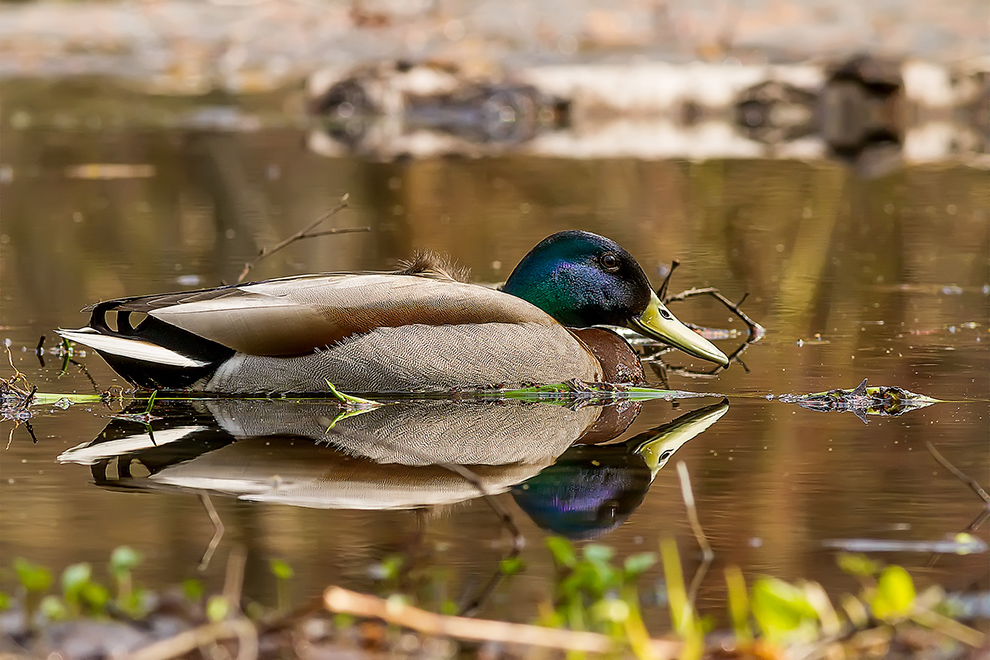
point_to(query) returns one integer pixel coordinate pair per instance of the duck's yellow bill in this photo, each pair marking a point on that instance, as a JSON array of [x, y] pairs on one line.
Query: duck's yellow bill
[[659, 323]]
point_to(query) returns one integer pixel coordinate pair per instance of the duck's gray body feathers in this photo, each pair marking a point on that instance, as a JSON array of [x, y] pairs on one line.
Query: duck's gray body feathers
[[362, 333], [417, 357]]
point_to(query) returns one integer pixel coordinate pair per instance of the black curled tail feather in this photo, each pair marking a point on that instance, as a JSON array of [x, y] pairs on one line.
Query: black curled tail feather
[[150, 329]]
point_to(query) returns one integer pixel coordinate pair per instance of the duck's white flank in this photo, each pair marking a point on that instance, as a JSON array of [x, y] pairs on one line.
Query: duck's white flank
[[136, 349]]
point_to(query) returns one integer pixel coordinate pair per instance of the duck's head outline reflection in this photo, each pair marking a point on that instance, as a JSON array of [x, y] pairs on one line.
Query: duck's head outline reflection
[[592, 489]]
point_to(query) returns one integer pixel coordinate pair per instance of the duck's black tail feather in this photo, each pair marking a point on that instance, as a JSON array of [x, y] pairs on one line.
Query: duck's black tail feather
[[149, 353]]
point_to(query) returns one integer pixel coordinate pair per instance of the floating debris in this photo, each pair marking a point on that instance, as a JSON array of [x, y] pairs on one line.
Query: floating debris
[[862, 401], [962, 544], [107, 171]]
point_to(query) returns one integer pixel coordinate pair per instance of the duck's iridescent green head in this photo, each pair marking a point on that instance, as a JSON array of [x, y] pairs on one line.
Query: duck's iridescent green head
[[582, 279]]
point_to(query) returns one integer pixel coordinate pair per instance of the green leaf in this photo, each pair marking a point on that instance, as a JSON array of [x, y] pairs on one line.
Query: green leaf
[[597, 553], [857, 564], [74, 578], [32, 577], [124, 559], [5, 601], [134, 603], [895, 594], [562, 551], [611, 609], [53, 608], [281, 569], [511, 566], [636, 565], [391, 567], [95, 595], [217, 608], [782, 610], [193, 590]]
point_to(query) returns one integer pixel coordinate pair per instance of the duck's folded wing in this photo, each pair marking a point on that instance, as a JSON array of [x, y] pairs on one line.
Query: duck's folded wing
[[293, 316]]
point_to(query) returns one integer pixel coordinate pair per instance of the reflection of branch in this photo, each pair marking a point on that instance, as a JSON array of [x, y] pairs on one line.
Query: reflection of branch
[[344, 601], [301, 234], [969, 481], [660, 368], [218, 530], [687, 494], [506, 517], [507, 520]]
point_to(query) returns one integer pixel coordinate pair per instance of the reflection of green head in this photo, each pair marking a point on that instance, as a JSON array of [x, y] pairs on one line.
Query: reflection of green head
[[592, 489]]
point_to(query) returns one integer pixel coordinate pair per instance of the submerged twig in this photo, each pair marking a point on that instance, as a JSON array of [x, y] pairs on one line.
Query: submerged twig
[[303, 233]]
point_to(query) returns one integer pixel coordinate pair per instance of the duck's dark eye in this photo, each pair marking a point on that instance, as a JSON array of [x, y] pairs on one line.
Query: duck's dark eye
[[664, 313], [609, 261]]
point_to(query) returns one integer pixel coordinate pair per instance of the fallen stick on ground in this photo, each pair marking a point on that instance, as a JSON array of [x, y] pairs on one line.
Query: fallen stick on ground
[[211, 633], [344, 601]]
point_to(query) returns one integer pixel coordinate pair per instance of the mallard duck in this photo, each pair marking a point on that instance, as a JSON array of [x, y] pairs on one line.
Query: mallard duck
[[419, 329]]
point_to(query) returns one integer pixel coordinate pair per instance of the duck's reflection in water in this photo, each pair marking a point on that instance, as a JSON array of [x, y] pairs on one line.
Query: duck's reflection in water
[[593, 488], [562, 463]]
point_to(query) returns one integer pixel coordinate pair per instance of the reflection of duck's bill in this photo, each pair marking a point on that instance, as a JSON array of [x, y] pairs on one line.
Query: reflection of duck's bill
[[659, 323], [89, 452], [657, 446]]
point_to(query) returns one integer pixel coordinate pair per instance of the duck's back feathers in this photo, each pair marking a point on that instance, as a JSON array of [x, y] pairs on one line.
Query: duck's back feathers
[[431, 264], [370, 332], [296, 316]]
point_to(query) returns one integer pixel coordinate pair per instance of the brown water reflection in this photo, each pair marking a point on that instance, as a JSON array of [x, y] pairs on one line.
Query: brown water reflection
[[883, 279]]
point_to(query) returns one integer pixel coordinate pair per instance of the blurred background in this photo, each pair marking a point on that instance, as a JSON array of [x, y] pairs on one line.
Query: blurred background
[[829, 158]]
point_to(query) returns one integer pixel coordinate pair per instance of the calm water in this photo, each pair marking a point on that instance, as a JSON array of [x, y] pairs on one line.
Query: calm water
[[884, 279]]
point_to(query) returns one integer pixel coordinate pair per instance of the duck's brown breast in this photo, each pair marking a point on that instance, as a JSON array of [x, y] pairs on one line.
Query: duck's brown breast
[[619, 362]]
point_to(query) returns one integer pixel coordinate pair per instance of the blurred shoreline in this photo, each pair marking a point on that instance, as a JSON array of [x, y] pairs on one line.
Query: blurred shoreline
[[244, 46]]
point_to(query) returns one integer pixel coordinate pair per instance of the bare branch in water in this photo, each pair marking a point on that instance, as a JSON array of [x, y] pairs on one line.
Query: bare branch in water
[[756, 331], [662, 291], [969, 481], [304, 233]]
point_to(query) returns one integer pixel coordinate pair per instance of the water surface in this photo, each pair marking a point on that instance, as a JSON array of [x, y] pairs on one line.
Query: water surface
[[884, 279]]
